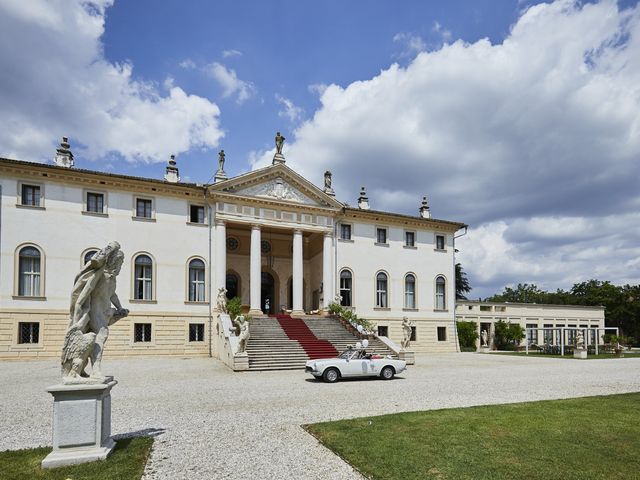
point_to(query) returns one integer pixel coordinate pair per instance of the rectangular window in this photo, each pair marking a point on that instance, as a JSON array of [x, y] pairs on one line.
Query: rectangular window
[[442, 334], [144, 208], [409, 239], [532, 335], [196, 213], [30, 195], [345, 231], [383, 331], [571, 335], [95, 202], [500, 309], [381, 235], [439, 242], [414, 334], [485, 308], [196, 332], [142, 332], [28, 332], [559, 334], [548, 334]]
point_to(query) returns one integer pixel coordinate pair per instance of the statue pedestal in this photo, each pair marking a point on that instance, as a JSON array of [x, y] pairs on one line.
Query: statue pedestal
[[240, 362], [579, 353], [278, 158], [484, 350], [81, 423], [409, 357]]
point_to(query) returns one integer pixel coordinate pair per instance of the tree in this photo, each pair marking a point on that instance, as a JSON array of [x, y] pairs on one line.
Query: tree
[[462, 283], [507, 335], [523, 293], [467, 334]]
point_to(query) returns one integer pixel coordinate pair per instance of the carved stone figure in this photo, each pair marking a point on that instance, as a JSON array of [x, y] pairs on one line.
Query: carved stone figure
[[243, 337], [327, 180], [278, 189], [406, 333], [279, 143], [579, 339], [221, 301], [484, 336], [221, 161], [91, 314]]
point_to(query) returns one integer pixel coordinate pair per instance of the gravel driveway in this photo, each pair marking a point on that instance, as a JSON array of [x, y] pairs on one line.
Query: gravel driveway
[[212, 423]]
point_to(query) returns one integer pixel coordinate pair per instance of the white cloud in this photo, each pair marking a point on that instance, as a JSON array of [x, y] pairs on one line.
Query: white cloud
[[412, 43], [444, 34], [545, 125], [317, 88], [231, 53], [61, 84], [187, 64], [230, 83], [289, 109]]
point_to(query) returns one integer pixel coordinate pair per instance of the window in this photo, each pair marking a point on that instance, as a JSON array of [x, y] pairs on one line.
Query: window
[[409, 239], [381, 235], [559, 334], [414, 334], [143, 281], [196, 332], [440, 293], [142, 332], [196, 214], [442, 334], [95, 202], [532, 335], [500, 309], [346, 280], [144, 208], [29, 260], [485, 308], [439, 242], [88, 256], [383, 331], [548, 334], [28, 332], [196, 280], [410, 291], [571, 335], [381, 290], [345, 231], [31, 195]]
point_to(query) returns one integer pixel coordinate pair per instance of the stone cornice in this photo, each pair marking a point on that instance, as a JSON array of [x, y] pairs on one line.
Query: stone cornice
[[400, 219]]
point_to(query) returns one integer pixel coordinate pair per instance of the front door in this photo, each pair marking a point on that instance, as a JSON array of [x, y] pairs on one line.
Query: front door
[[267, 293]]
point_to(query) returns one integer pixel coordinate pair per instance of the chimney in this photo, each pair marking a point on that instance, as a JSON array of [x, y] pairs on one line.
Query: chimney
[[172, 174], [64, 157], [424, 208], [363, 200]]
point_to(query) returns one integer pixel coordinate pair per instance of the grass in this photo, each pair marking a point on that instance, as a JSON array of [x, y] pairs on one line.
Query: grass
[[570, 355], [126, 462], [587, 438]]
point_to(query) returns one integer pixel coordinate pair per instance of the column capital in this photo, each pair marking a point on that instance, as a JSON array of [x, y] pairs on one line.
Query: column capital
[[297, 231], [255, 226], [220, 222], [328, 234]]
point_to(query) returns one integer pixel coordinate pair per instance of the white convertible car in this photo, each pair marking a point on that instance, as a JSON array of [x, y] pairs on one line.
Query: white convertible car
[[355, 362]]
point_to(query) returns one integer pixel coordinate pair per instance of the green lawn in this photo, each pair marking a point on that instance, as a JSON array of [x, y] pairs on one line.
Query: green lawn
[[126, 462], [568, 355], [586, 438]]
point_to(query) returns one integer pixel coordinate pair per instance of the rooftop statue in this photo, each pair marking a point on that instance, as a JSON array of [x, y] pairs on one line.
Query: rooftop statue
[[91, 314], [221, 161], [279, 142]]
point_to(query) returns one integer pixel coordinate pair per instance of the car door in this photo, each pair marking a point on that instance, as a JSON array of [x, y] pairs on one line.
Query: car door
[[353, 366]]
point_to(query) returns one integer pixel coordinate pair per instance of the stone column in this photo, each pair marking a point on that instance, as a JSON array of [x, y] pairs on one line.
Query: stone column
[[221, 257], [328, 290], [255, 277], [297, 280]]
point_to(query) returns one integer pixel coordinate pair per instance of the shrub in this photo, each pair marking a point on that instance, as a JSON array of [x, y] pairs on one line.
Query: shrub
[[337, 309], [507, 335], [234, 307], [468, 334]]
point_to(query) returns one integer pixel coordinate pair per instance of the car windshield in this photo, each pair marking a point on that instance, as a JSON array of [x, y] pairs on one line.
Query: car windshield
[[351, 354]]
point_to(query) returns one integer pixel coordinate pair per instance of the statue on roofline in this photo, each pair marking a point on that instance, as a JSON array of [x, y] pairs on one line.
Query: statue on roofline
[[279, 143]]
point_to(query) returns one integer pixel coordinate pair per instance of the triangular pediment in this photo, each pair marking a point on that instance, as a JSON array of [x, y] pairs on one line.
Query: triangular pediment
[[277, 182]]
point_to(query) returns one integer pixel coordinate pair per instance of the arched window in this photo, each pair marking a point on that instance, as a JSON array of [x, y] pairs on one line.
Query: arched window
[[89, 255], [196, 280], [410, 291], [143, 278], [29, 260], [381, 290], [440, 293], [346, 283], [232, 286]]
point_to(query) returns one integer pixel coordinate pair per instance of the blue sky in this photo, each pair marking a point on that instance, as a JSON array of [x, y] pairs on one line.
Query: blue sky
[[521, 119]]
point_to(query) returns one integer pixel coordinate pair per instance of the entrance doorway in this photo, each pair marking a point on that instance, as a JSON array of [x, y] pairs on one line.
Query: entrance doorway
[[268, 293]]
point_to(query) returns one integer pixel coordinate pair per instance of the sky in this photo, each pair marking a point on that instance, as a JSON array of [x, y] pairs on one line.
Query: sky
[[519, 118]]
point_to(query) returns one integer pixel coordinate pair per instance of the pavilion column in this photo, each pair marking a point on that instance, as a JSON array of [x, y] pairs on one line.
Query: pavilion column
[[297, 282], [254, 272], [328, 290], [221, 256]]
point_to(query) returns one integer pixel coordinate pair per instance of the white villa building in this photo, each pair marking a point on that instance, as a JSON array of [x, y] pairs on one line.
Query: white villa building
[[271, 237]]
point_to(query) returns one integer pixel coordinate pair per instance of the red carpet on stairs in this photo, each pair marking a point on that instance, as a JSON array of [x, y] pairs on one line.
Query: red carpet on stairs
[[296, 329]]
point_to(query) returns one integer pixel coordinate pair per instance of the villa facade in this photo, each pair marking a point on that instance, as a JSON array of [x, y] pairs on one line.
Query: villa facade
[[270, 237]]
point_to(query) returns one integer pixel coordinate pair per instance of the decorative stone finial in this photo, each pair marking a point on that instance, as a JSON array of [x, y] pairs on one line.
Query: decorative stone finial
[[220, 174], [363, 200], [327, 184], [172, 174], [278, 157], [64, 156], [424, 209]]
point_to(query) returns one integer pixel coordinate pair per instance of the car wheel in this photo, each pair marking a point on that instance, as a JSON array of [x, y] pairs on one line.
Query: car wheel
[[387, 373], [331, 375]]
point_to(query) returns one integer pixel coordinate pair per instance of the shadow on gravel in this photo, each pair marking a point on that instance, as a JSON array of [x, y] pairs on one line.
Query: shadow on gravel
[[147, 432], [355, 379]]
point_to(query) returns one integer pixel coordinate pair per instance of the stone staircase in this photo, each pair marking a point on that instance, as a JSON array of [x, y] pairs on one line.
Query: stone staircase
[[270, 348]]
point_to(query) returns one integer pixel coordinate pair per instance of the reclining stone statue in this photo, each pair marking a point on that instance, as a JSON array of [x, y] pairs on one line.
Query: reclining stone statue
[[91, 314]]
